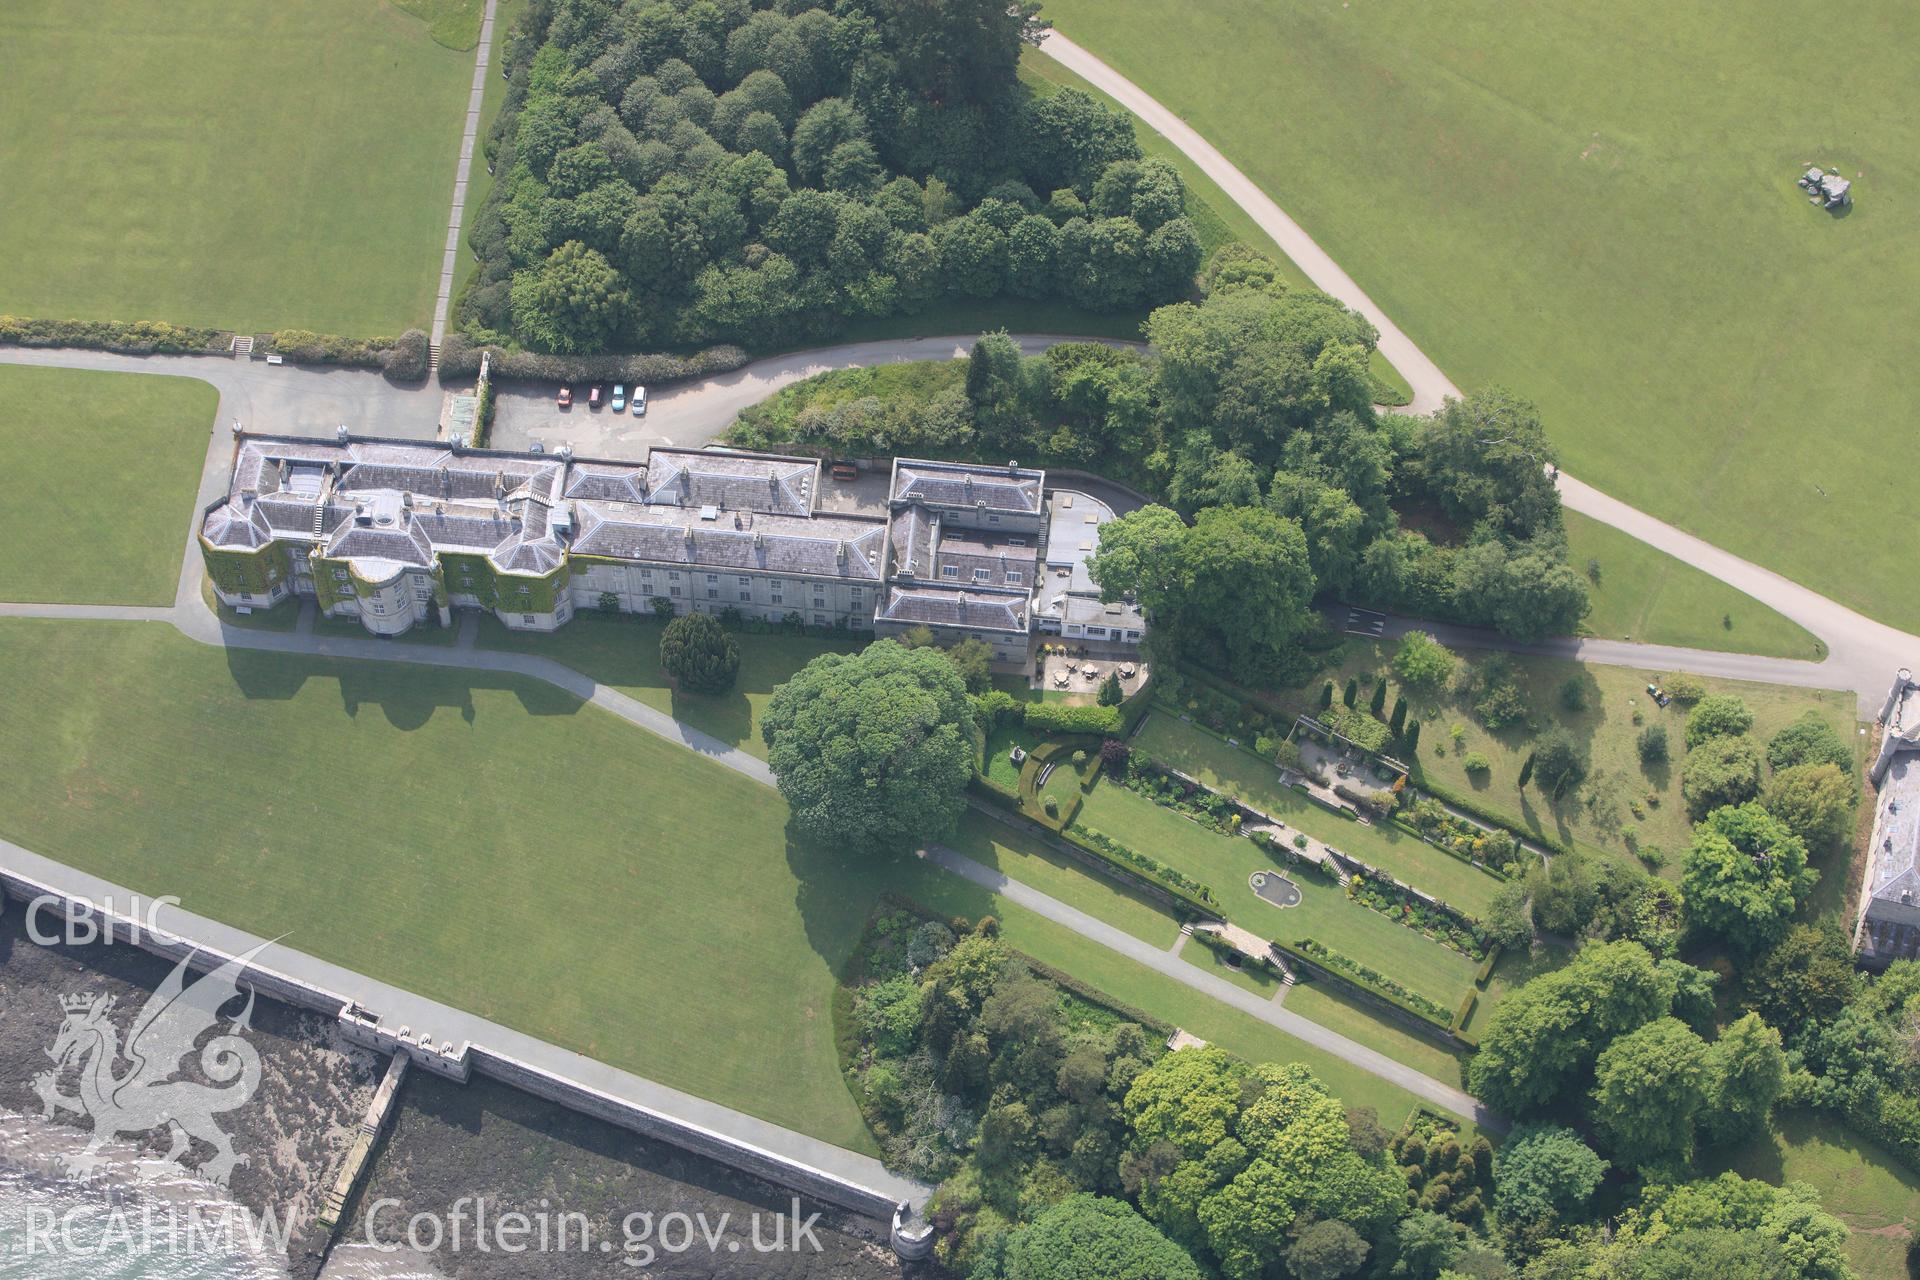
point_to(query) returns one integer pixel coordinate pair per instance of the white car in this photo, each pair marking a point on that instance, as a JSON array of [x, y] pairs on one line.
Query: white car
[[639, 401]]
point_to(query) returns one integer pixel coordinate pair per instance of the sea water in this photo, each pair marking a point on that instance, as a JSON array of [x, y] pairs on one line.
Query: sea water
[[135, 1220]]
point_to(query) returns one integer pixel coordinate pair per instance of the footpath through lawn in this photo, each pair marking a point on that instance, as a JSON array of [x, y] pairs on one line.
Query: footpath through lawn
[[1545, 197], [1247, 778], [492, 843]]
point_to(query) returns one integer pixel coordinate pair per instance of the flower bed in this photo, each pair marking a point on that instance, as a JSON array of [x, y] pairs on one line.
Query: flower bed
[[1208, 808], [1498, 852], [1442, 924], [1185, 886]]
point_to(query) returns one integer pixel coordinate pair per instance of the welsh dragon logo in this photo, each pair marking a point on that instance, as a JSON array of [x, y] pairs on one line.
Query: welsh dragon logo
[[145, 1096]]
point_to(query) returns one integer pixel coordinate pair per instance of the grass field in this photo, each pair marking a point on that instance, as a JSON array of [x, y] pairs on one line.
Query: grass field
[[624, 653], [1216, 218], [1644, 594], [1596, 207], [1325, 912], [244, 164], [1857, 1180], [102, 469], [1247, 778], [569, 875], [1601, 816]]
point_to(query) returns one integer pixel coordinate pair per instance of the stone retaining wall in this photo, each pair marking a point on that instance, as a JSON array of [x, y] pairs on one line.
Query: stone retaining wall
[[458, 1062]]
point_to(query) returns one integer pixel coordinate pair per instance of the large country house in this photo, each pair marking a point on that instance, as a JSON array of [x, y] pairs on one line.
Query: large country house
[[401, 534], [1889, 924]]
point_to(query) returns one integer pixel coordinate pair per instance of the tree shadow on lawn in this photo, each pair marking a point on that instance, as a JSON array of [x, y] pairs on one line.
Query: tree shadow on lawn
[[1763, 1157], [407, 694]]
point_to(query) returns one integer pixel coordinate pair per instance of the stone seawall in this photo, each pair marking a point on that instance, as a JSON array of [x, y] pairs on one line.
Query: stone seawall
[[458, 1062]]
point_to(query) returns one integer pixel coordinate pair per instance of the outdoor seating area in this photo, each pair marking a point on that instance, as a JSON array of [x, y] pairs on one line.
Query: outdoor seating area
[[1068, 669]]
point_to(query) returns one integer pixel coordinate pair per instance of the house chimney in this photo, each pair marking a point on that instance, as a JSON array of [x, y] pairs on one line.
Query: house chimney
[[840, 551]]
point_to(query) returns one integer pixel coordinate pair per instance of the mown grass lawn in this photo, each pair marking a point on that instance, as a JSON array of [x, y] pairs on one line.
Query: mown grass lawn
[[491, 842], [1643, 594], [1144, 989], [1596, 207], [102, 469], [1325, 912], [1858, 1181], [1216, 219], [1601, 814], [624, 653], [244, 164], [1245, 777]]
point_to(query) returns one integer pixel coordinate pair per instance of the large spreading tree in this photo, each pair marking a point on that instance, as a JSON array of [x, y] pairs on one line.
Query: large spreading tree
[[1745, 873], [1093, 1238], [1236, 586], [873, 751]]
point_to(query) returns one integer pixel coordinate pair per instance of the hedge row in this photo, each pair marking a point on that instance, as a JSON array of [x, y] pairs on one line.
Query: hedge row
[[1320, 955], [1464, 1009], [1059, 978], [1467, 804], [404, 357], [460, 357], [1058, 717], [1182, 886], [137, 337]]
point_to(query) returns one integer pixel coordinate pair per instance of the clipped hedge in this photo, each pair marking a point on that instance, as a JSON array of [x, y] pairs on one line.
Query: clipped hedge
[[1056, 717], [135, 337], [1464, 1009], [1319, 956], [1193, 893], [303, 346], [460, 357]]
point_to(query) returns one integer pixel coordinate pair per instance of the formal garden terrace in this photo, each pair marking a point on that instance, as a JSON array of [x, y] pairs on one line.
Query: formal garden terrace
[[513, 891]]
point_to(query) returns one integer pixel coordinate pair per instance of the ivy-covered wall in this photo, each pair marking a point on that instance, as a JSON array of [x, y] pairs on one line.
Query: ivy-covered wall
[[327, 586], [256, 572], [467, 574], [519, 593]]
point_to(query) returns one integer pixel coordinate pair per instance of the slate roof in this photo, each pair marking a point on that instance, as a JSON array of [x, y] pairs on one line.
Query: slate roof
[[732, 481], [969, 553], [607, 482], [396, 502], [956, 607], [823, 546], [910, 540], [1015, 490], [1895, 891]]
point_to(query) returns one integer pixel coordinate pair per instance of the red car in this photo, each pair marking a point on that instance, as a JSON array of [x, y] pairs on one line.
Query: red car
[[566, 397], [593, 398]]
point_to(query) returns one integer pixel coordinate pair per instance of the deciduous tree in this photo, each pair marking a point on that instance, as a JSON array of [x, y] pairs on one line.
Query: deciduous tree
[[873, 751]]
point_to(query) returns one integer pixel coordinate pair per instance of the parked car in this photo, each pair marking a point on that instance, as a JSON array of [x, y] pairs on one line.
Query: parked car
[[639, 401], [844, 471], [593, 397], [566, 397], [619, 396]]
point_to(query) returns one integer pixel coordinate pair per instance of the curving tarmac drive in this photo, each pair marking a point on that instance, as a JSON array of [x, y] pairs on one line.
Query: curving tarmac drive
[[242, 393], [1863, 654]]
